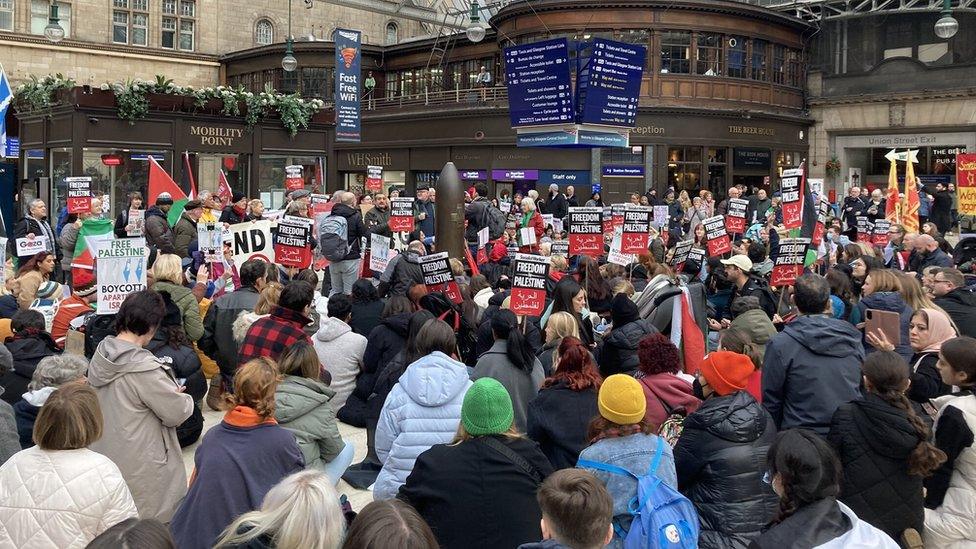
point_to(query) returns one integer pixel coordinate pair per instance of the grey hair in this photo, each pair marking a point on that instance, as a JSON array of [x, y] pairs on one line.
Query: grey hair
[[33, 203], [56, 370], [203, 195], [417, 247], [349, 199], [294, 207], [301, 511]]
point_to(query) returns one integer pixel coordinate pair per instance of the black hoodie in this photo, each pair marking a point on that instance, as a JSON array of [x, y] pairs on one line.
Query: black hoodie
[[354, 227], [960, 305], [874, 440], [384, 343]]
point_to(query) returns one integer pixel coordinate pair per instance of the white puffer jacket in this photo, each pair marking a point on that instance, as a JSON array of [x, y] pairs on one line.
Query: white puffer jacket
[[60, 499], [951, 526]]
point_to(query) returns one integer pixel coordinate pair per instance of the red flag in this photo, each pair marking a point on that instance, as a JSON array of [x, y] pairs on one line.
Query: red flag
[[160, 182], [189, 174], [223, 188], [692, 340]]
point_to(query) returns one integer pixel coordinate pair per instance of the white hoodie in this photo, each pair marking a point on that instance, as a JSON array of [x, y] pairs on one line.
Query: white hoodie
[[341, 351]]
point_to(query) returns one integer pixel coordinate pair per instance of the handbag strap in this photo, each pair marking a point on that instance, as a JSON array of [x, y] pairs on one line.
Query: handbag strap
[[515, 458], [617, 470]]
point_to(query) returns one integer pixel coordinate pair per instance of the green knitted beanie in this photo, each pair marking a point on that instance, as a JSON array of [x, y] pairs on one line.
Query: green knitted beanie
[[487, 408]]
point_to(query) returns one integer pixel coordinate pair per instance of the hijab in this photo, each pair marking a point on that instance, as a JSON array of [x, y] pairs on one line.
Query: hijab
[[940, 330]]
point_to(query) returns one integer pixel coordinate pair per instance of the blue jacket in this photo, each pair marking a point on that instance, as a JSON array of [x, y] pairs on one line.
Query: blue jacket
[[633, 453], [810, 369], [893, 302], [423, 409]]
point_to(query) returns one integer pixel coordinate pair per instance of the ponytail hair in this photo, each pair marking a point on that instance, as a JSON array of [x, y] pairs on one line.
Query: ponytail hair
[[739, 341], [504, 325], [886, 372], [808, 469]]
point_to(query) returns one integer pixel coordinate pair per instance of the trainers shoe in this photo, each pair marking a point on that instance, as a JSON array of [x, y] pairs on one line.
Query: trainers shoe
[[910, 539]]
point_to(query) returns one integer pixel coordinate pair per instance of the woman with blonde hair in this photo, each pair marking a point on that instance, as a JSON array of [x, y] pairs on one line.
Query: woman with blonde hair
[[239, 460], [882, 292], [300, 512], [167, 272], [447, 486], [560, 325], [267, 300]]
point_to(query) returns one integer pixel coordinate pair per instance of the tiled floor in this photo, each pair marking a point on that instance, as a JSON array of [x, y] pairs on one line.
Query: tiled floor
[[358, 498]]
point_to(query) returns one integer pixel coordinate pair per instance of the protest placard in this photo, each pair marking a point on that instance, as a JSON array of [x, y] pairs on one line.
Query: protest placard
[[607, 219], [210, 241], [661, 216], [121, 270], [788, 265], [293, 243], [293, 177], [137, 223], [29, 246], [252, 239], [879, 233], [636, 227], [718, 238], [680, 256], [865, 229], [529, 284], [560, 247], [401, 214], [735, 218], [617, 211], [438, 277], [79, 194], [379, 252], [823, 210], [374, 178], [586, 231], [791, 187], [615, 256]]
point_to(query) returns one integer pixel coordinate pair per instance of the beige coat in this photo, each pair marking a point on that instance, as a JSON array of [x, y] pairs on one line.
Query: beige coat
[[142, 406], [25, 287]]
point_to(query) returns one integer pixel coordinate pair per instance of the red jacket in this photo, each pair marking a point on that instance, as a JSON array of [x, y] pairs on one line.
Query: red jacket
[[535, 222], [661, 389], [272, 334], [496, 250]]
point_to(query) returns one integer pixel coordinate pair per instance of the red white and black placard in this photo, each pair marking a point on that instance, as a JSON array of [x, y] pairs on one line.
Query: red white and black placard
[[401, 214], [607, 219], [681, 251], [791, 187], [560, 247], [735, 219], [374, 179], [586, 231], [529, 284], [823, 211], [879, 234], [617, 211], [79, 194], [293, 177], [718, 238], [790, 255], [293, 242], [438, 276], [636, 229], [864, 229]]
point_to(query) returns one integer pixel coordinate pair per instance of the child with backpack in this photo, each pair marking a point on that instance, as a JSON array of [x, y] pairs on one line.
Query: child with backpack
[[637, 468], [576, 512]]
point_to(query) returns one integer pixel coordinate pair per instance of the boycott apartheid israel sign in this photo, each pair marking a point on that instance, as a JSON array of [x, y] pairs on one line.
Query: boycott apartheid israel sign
[[790, 255], [718, 238], [735, 219], [438, 276], [293, 244], [529, 284], [586, 231], [121, 265], [637, 224], [401, 214]]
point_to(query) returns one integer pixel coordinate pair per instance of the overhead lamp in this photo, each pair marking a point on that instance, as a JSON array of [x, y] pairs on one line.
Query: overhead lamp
[[288, 62], [476, 30], [54, 32], [947, 26]]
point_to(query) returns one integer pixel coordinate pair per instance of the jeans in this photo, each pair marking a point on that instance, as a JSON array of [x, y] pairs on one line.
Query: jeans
[[335, 468], [343, 275]]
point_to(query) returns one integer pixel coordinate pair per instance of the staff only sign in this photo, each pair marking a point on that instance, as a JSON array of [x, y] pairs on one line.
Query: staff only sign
[[293, 244], [121, 265], [790, 255], [438, 276], [637, 224], [401, 214], [586, 231], [529, 284], [718, 238]]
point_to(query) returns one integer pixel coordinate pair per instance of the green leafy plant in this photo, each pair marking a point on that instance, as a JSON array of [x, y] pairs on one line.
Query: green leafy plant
[[131, 99], [38, 93], [832, 167]]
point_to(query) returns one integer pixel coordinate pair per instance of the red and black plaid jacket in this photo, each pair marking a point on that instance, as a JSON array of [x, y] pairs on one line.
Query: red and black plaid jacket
[[270, 335]]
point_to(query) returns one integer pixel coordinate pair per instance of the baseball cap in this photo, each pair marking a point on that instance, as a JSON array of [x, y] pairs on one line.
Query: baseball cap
[[740, 261]]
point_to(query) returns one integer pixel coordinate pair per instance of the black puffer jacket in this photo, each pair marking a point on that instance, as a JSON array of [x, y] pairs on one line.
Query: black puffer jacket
[[720, 460], [383, 345], [218, 328], [960, 305], [27, 351], [619, 352], [186, 365], [558, 418], [874, 440]]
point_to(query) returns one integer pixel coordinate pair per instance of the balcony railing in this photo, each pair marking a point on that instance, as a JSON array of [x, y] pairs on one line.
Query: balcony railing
[[458, 97]]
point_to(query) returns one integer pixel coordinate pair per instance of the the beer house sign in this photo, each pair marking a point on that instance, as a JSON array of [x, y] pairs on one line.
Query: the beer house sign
[[215, 136]]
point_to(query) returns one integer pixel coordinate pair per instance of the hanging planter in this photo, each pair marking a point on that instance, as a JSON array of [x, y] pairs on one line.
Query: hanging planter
[[832, 167]]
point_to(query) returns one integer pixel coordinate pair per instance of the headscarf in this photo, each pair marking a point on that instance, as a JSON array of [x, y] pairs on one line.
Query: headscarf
[[940, 330]]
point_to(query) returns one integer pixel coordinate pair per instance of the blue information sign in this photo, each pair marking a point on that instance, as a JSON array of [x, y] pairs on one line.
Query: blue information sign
[[609, 83], [347, 85], [539, 86], [12, 147]]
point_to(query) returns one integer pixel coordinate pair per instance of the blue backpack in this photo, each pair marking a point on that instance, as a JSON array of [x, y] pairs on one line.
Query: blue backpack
[[663, 518]]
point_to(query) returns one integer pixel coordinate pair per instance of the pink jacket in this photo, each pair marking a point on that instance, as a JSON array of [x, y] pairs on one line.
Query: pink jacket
[[670, 390]]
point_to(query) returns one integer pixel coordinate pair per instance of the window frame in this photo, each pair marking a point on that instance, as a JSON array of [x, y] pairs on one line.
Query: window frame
[[65, 10], [9, 10], [672, 47], [264, 21], [173, 12], [396, 33]]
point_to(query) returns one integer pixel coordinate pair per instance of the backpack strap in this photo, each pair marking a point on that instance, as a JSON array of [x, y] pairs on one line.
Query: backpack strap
[[515, 458], [605, 467]]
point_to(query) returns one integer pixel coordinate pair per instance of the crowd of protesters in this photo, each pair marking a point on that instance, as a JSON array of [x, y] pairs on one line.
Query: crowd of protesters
[[692, 395]]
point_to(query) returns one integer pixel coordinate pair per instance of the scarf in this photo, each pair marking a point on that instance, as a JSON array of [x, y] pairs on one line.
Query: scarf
[[245, 416], [940, 330], [239, 211]]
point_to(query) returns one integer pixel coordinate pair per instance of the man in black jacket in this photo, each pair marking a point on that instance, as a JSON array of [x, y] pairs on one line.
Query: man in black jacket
[[853, 207], [928, 254], [343, 274], [956, 299], [558, 206], [35, 224], [737, 269], [476, 214]]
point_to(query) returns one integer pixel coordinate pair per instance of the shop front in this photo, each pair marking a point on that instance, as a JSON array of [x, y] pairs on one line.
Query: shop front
[[863, 161], [197, 150]]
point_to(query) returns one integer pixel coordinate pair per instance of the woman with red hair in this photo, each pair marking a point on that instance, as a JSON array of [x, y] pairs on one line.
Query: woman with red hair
[[664, 390], [559, 415]]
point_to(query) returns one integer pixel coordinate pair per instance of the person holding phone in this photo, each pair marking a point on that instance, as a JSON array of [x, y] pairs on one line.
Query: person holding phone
[[880, 295]]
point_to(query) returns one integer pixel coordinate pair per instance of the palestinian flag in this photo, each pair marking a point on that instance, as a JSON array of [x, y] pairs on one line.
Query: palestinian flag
[[93, 232], [160, 182]]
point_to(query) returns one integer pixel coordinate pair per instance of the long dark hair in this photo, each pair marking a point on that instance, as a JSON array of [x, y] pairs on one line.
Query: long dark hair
[[175, 336], [737, 340], [363, 291], [504, 325], [417, 321], [808, 468], [563, 294], [596, 285], [886, 372], [32, 263], [960, 354]]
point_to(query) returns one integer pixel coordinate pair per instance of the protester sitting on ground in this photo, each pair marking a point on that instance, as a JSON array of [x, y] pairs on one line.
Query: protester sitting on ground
[[881, 292], [479, 490], [618, 354], [665, 392], [270, 336], [168, 274], [340, 349], [569, 297], [9, 445], [383, 344], [738, 341], [218, 336], [301, 511], [312, 278], [929, 329], [576, 512], [302, 406], [813, 365], [30, 277], [239, 460], [720, 457], [950, 492], [389, 523], [171, 344], [422, 409], [804, 471], [560, 325], [622, 437], [59, 493], [142, 404], [748, 315], [29, 344], [885, 452], [134, 532], [510, 360], [268, 299], [559, 415], [367, 307], [51, 372], [83, 296]]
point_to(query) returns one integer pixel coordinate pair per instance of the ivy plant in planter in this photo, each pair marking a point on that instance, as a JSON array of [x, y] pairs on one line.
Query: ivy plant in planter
[[38, 93], [131, 99]]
